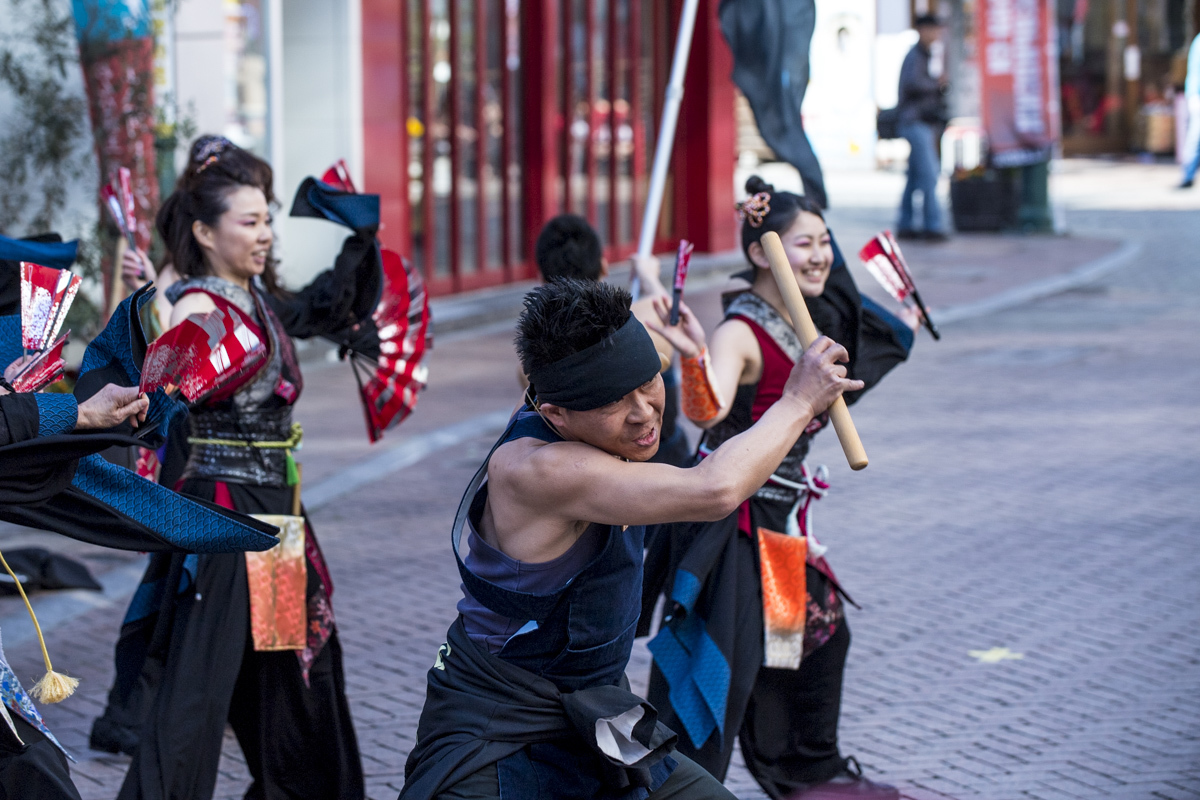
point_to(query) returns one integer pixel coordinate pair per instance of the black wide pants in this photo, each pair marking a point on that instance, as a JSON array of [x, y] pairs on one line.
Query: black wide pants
[[789, 734], [297, 738]]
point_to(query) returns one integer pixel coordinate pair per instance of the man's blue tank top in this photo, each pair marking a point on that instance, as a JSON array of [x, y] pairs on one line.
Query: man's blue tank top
[[571, 620]]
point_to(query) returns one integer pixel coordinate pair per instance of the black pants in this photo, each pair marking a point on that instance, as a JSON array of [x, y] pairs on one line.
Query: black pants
[[32, 768], [689, 781], [788, 731], [298, 740], [789, 734]]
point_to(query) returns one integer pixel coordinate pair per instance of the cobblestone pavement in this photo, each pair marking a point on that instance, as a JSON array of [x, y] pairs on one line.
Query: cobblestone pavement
[[1023, 545]]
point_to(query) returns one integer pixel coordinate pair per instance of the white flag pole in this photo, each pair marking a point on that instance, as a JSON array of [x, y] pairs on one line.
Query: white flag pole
[[666, 134]]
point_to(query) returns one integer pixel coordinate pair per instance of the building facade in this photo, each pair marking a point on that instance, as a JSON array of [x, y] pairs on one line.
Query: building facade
[[474, 120]]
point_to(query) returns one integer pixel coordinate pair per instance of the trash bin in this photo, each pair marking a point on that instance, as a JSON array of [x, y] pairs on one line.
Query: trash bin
[[984, 199]]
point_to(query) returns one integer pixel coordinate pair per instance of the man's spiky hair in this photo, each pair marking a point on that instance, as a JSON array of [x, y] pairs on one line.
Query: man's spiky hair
[[566, 316]]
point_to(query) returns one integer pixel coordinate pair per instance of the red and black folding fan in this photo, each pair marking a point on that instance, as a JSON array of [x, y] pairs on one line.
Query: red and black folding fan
[[45, 369], [46, 296], [202, 355], [389, 384], [883, 259], [118, 199], [338, 176]]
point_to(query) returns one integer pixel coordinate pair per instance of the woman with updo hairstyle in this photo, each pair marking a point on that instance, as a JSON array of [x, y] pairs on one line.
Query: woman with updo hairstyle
[[194, 647], [782, 692]]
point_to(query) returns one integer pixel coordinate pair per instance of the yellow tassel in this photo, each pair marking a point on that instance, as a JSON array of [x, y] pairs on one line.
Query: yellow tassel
[[54, 687]]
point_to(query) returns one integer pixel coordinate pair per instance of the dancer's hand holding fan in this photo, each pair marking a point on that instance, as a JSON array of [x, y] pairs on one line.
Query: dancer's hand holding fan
[[46, 295], [387, 350]]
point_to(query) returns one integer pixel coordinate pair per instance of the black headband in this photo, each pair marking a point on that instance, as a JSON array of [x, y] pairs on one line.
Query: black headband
[[600, 374]]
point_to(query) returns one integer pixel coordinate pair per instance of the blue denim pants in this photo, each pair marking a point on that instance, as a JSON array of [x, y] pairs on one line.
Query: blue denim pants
[[1191, 144], [923, 170]]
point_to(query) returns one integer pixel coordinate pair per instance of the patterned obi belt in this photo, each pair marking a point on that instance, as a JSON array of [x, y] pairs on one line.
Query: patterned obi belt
[[247, 447]]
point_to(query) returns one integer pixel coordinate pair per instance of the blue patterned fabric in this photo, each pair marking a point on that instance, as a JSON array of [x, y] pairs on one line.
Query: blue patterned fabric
[[59, 255], [10, 339], [694, 667], [13, 695], [57, 413], [179, 521], [112, 346], [358, 212]]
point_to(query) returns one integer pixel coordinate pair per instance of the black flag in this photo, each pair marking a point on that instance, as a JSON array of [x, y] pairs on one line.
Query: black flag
[[770, 41]]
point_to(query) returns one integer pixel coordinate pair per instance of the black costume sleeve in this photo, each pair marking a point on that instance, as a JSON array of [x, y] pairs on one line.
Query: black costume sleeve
[[338, 298], [884, 342], [18, 418], [875, 339]]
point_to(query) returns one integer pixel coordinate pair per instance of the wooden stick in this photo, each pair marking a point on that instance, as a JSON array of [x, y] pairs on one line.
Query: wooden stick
[[803, 325]]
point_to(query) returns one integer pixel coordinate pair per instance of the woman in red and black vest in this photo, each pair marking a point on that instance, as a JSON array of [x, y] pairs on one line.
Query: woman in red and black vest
[[749, 648], [288, 708]]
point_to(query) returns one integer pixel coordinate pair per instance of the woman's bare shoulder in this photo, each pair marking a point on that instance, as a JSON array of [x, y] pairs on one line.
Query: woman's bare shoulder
[[191, 303]]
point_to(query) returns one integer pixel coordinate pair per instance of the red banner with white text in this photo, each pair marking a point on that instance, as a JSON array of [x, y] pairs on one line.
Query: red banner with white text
[[1018, 48]]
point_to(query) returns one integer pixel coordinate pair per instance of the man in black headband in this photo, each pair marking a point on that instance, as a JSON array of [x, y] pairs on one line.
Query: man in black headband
[[528, 698]]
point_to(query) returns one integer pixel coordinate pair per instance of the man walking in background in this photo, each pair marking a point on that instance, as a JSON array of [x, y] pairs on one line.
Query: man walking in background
[[921, 116], [1191, 91]]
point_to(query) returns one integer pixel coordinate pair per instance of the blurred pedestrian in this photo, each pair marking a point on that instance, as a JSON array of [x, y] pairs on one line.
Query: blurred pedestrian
[[922, 113], [1191, 91]]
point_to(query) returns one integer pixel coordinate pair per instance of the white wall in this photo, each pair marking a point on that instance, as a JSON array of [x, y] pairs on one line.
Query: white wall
[[321, 120], [315, 80], [893, 16], [839, 108], [200, 65]]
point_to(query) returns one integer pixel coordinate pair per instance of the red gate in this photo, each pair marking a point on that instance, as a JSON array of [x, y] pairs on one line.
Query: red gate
[[508, 112]]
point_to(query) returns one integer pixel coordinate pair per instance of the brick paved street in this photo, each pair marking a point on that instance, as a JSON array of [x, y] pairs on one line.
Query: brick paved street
[[1032, 487]]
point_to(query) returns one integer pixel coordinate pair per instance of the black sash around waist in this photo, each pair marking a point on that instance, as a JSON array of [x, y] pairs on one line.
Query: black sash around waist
[[228, 446]]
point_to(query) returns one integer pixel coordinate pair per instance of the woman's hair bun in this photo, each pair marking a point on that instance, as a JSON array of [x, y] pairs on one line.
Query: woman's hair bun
[[755, 184]]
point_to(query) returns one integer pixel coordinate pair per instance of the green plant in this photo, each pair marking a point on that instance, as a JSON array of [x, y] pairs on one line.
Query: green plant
[[45, 143]]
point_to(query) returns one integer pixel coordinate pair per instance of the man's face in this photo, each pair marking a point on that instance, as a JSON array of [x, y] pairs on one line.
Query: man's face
[[929, 34], [630, 428]]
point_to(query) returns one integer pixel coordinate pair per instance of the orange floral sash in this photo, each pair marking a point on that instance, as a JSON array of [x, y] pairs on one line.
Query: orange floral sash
[[278, 588]]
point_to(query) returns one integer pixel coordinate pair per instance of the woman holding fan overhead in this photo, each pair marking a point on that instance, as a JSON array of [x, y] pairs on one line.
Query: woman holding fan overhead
[[754, 639], [222, 654]]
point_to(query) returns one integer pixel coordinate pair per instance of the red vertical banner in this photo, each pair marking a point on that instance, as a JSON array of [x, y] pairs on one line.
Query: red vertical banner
[[119, 81], [116, 49], [1020, 92]]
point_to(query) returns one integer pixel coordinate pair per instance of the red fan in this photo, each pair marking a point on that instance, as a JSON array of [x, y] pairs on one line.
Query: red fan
[[118, 200], [46, 294], [683, 257], [338, 176], [43, 370], [202, 355], [389, 385], [884, 260]]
